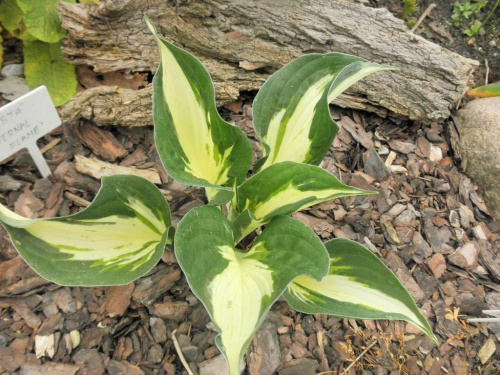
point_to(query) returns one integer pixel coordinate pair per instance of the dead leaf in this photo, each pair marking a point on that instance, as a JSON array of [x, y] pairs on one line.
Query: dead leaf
[[487, 351]]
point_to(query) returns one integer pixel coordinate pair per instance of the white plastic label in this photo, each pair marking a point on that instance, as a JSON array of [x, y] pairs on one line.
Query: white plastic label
[[24, 121]]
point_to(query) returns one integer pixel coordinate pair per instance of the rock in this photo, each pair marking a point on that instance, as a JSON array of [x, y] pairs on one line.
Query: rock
[[479, 138], [13, 70], [12, 88], [466, 256], [437, 265], [374, 166]]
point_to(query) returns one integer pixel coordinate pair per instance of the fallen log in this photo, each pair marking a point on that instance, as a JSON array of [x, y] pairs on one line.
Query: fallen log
[[242, 43]]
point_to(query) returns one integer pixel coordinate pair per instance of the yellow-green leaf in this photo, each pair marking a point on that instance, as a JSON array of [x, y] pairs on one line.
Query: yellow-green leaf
[[196, 146], [44, 65], [41, 19], [358, 285], [291, 114], [239, 287], [116, 240], [283, 189], [486, 91], [11, 18]]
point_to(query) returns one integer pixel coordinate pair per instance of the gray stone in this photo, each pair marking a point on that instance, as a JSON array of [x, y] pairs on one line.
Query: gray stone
[[13, 70], [374, 166], [479, 126], [12, 88]]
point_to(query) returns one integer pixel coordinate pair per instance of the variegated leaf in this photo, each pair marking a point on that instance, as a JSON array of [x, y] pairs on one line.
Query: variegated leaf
[[196, 146], [283, 189], [291, 114], [114, 241], [358, 286], [238, 287]]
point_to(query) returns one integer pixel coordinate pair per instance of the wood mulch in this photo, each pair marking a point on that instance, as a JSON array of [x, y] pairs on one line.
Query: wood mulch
[[429, 224]]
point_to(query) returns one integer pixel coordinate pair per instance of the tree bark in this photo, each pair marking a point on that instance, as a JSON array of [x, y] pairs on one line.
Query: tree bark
[[242, 42]]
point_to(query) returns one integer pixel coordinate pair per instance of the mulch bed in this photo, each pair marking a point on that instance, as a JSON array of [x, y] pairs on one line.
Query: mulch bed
[[429, 224]]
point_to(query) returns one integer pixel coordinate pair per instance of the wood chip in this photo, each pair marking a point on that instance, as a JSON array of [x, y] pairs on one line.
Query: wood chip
[[99, 169], [102, 143], [357, 132], [118, 299]]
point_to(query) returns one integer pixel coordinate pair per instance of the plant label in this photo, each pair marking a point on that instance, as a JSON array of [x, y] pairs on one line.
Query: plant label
[[24, 121]]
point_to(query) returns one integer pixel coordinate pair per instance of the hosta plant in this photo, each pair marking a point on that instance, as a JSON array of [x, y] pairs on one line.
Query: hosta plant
[[236, 271]]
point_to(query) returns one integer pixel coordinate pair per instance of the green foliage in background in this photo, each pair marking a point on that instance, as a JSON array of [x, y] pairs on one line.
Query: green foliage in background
[[37, 24], [44, 65], [409, 7]]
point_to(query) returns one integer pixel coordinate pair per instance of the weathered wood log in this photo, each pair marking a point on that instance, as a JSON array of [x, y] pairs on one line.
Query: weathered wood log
[[110, 105], [242, 42]]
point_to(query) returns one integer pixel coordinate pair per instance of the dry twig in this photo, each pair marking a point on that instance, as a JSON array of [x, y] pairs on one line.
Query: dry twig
[[179, 353], [422, 17]]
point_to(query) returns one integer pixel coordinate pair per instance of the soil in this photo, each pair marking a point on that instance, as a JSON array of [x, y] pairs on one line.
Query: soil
[[429, 224], [439, 28]]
